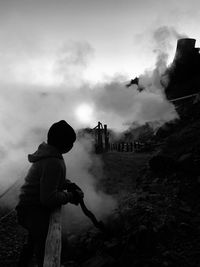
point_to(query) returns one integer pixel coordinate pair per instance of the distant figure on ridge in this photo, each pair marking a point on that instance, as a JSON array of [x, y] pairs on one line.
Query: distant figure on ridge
[[43, 189], [136, 82]]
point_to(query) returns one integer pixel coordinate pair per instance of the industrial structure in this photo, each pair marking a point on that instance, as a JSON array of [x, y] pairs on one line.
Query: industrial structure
[[101, 138], [184, 71]]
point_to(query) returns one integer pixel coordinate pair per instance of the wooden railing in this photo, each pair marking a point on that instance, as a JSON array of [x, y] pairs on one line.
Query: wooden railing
[[135, 146], [53, 241], [122, 147]]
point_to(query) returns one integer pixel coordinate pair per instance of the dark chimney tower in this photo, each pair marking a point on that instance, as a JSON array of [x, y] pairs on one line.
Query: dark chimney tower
[[184, 74], [185, 47]]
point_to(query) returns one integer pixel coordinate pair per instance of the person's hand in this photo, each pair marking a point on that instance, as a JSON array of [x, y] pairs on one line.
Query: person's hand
[[75, 197]]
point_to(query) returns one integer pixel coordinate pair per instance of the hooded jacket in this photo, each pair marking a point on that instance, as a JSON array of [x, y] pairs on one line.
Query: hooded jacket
[[45, 181]]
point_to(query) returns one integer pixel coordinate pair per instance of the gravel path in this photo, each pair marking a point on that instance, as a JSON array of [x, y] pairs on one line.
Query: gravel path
[[12, 237]]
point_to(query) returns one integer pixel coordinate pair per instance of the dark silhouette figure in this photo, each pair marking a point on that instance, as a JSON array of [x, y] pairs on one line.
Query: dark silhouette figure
[[43, 190], [135, 81]]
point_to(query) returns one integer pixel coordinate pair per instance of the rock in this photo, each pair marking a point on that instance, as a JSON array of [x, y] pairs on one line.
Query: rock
[[162, 164], [145, 239], [102, 260], [70, 264], [185, 208], [113, 246], [186, 163], [185, 157], [165, 263]]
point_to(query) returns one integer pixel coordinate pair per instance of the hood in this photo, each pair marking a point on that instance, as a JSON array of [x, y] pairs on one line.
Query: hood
[[44, 151]]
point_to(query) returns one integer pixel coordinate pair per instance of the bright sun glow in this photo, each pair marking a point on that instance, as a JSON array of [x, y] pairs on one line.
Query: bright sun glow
[[84, 113]]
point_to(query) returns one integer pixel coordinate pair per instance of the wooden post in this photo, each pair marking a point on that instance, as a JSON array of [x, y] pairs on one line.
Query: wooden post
[[131, 147], [127, 147], [122, 147], [118, 147], [53, 241], [99, 138], [106, 137]]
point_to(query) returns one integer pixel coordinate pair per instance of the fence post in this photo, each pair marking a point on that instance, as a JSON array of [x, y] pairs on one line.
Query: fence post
[[53, 241], [127, 147], [106, 137], [131, 147], [99, 138], [118, 147]]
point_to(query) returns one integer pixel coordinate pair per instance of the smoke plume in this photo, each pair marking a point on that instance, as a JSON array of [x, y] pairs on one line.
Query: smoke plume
[[79, 161], [43, 87], [155, 80], [25, 119]]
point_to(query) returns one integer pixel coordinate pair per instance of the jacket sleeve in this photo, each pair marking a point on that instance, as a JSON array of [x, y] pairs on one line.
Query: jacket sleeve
[[51, 178]]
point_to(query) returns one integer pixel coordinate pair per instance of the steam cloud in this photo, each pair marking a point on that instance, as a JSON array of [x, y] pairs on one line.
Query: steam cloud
[[24, 126], [79, 161], [29, 106]]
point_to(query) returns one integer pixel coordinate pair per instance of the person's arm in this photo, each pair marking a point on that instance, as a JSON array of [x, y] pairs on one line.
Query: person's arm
[[51, 177]]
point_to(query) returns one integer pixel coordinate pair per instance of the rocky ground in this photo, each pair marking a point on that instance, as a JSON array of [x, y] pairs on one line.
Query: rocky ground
[[156, 222], [109, 247], [11, 239]]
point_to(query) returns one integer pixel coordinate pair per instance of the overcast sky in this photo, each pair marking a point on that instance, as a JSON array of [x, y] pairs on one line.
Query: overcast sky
[[116, 34], [71, 59]]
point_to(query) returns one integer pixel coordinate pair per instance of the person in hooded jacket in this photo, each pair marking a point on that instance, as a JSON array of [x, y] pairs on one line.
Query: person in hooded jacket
[[44, 189]]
